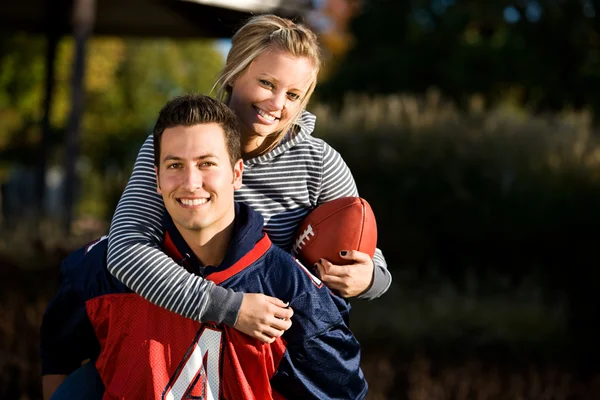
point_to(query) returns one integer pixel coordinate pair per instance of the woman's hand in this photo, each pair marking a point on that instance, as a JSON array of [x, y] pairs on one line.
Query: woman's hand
[[263, 317], [348, 280]]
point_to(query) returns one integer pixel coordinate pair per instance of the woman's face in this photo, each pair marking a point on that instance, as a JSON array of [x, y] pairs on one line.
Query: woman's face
[[270, 92]]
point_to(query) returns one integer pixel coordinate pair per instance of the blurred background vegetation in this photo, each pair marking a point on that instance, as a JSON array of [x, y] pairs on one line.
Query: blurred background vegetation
[[472, 129]]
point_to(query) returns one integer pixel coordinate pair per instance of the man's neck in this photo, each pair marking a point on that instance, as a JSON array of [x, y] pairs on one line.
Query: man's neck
[[209, 247]]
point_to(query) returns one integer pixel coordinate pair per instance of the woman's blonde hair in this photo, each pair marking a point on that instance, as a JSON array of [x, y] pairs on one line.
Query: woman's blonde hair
[[266, 32]]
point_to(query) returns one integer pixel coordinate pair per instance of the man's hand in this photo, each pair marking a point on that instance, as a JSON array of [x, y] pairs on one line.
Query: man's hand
[[348, 280], [263, 317]]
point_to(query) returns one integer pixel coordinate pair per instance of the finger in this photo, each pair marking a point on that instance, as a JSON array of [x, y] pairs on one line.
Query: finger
[[325, 263], [283, 313], [276, 301], [338, 270], [280, 324], [321, 270], [272, 332], [265, 338], [355, 255], [333, 280], [332, 269]]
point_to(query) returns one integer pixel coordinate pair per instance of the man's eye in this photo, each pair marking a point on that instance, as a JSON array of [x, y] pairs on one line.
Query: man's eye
[[174, 166], [206, 164]]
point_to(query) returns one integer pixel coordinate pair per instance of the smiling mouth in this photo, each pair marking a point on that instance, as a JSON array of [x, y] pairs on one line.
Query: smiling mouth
[[265, 115], [193, 202]]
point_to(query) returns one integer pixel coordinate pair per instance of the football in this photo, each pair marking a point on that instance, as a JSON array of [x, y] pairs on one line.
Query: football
[[347, 223]]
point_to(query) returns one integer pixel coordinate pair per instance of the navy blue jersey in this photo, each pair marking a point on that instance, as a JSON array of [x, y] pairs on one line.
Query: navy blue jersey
[[144, 351]]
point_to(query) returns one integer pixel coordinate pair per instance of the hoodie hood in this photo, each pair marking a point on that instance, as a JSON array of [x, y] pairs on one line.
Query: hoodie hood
[[247, 231], [305, 125]]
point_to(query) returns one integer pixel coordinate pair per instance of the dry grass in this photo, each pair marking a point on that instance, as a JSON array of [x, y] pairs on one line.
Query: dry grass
[[35, 245], [422, 377], [23, 299], [564, 138]]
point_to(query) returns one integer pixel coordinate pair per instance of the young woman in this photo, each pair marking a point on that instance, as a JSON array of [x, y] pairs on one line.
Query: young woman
[[269, 77]]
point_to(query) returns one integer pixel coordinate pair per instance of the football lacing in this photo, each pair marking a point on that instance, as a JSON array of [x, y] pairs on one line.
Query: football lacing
[[305, 236]]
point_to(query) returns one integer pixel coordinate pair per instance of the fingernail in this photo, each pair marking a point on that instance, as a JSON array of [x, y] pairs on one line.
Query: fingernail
[[343, 252]]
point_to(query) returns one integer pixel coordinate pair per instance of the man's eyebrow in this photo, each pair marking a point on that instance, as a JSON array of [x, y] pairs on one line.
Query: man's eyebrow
[[170, 157]]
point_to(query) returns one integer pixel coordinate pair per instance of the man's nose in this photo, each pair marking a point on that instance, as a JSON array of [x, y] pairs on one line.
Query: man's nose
[[192, 179]]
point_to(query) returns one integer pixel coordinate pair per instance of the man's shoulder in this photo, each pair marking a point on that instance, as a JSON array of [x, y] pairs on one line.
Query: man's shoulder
[[290, 272], [92, 253], [316, 308], [85, 269], [277, 273], [303, 275]]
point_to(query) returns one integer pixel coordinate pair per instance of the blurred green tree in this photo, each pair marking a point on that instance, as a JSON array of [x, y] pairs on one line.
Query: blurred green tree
[[543, 55], [21, 88], [127, 82]]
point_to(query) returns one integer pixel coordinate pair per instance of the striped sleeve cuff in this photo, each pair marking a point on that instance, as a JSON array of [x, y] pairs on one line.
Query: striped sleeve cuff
[[224, 306]]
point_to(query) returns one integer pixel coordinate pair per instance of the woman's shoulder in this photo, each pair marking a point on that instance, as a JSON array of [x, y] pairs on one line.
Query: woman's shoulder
[[327, 150], [317, 148]]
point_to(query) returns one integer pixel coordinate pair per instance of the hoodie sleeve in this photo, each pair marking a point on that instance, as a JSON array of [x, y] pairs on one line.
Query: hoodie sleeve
[[135, 258], [337, 181]]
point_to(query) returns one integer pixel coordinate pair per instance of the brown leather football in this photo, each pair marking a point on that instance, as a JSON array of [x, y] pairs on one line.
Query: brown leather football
[[347, 223]]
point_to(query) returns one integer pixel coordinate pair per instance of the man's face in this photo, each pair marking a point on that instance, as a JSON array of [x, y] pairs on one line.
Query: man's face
[[195, 177]]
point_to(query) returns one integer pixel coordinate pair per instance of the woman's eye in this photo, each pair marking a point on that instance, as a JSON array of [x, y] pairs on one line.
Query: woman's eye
[[293, 96], [266, 83]]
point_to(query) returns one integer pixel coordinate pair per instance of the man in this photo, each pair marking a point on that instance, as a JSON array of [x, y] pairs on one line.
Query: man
[[142, 351]]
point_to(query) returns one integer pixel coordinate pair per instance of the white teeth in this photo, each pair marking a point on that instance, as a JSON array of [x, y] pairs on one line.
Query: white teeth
[[193, 202], [265, 115]]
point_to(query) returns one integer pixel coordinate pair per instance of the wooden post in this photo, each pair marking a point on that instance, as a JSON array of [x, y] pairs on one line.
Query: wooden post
[[52, 38], [83, 23]]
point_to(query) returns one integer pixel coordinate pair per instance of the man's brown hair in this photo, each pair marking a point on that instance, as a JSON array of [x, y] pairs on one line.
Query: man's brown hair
[[198, 109]]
